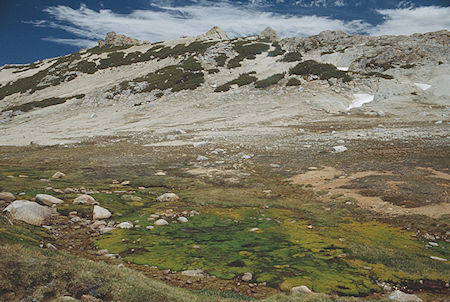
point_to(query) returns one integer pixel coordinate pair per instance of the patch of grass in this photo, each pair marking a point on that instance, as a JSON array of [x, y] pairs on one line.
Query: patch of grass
[[243, 79], [42, 104], [293, 82], [323, 71], [292, 57], [272, 80]]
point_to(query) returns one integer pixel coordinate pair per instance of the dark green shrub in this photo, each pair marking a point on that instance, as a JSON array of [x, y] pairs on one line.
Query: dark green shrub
[[213, 70], [191, 64], [272, 80], [408, 66], [326, 52], [293, 82], [243, 79], [278, 50], [42, 104], [292, 57], [246, 50], [379, 75], [323, 71], [221, 60]]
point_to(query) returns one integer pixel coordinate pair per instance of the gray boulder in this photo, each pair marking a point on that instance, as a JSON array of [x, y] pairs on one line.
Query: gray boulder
[[48, 200], [28, 211], [7, 196], [403, 297], [84, 199], [100, 213], [302, 289], [168, 197]]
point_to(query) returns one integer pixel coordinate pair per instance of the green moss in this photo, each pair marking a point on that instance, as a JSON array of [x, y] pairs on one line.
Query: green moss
[[272, 80], [323, 71]]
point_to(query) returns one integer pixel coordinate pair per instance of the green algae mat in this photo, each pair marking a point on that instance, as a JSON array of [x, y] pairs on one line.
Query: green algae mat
[[347, 258]]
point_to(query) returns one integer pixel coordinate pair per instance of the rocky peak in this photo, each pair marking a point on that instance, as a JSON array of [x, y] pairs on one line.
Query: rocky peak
[[114, 39], [270, 33], [215, 33]]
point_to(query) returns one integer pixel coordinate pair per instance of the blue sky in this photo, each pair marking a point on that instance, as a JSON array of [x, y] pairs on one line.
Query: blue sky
[[36, 29]]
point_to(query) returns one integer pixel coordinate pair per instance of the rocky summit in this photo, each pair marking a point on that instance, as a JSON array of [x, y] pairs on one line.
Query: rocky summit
[[213, 168]]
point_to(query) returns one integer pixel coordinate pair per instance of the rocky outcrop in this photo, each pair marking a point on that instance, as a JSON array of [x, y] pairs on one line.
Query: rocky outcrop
[[113, 39], [29, 212], [270, 34], [85, 199], [302, 289], [214, 34], [400, 296]]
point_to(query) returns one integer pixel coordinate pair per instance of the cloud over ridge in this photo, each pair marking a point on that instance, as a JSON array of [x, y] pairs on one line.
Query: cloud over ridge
[[163, 22]]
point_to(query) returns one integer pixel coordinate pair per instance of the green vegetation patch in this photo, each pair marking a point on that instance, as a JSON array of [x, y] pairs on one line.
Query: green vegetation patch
[[243, 79], [292, 57], [221, 59], [42, 104], [278, 51], [185, 76], [293, 82], [279, 249], [246, 50], [323, 71], [272, 80]]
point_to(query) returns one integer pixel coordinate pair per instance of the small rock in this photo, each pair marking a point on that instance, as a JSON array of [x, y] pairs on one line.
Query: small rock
[[69, 191], [125, 183], [125, 225], [438, 258], [201, 158], [160, 173], [180, 131], [7, 196], [339, 149], [85, 199], [194, 273], [161, 222], [200, 144], [403, 297], [247, 277], [255, 229], [51, 247], [433, 243], [100, 213], [58, 175], [48, 200], [302, 289], [102, 252], [150, 227], [168, 197], [182, 219]]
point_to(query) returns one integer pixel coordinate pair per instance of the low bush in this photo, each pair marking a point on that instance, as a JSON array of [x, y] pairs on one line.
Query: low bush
[[323, 71], [243, 79], [42, 104], [292, 57], [272, 80], [293, 82]]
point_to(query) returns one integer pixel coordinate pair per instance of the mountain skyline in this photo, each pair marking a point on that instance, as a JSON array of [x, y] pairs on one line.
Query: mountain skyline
[[54, 28]]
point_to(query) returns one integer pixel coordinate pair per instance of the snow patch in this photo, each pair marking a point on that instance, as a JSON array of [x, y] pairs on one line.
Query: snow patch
[[343, 68], [360, 99], [423, 86]]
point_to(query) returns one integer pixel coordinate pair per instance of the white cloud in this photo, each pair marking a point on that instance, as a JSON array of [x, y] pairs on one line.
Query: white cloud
[[82, 43], [164, 21], [406, 21]]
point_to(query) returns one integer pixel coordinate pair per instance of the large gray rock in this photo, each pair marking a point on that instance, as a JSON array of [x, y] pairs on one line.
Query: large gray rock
[[100, 213], [28, 211], [403, 297], [161, 222], [113, 39], [7, 196], [302, 289], [247, 277], [48, 200], [215, 34], [168, 197], [58, 175], [84, 199]]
